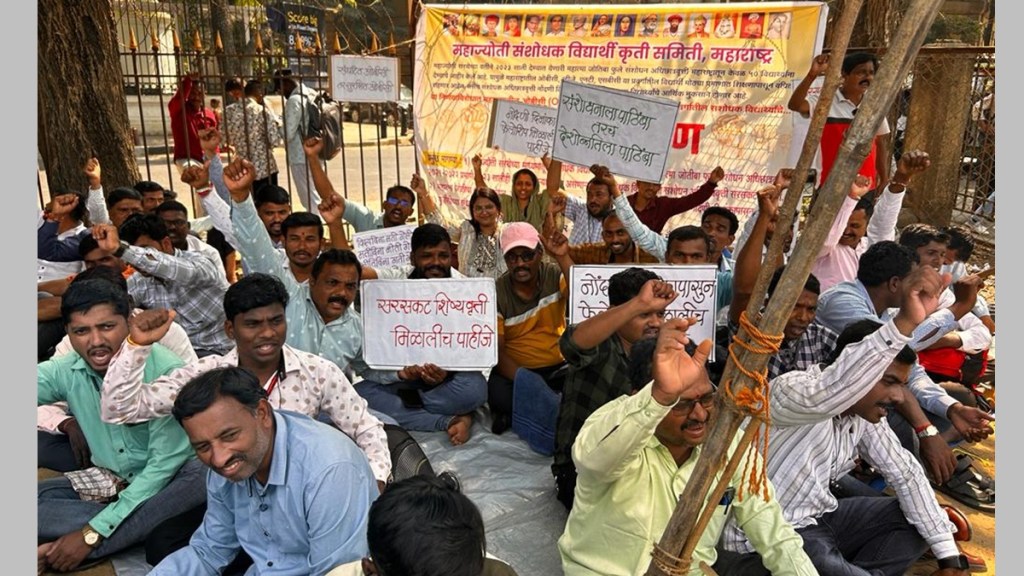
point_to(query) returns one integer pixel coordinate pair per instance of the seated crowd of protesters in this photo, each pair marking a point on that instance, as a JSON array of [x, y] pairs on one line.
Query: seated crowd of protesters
[[166, 366]]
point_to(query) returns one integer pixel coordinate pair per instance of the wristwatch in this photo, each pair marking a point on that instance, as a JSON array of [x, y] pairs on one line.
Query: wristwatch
[[92, 537], [928, 432], [121, 248], [958, 562]]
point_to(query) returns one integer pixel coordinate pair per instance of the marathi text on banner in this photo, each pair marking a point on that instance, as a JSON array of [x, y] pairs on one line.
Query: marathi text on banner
[[695, 285], [407, 322], [729, 68], [384, 247], [628, 133]]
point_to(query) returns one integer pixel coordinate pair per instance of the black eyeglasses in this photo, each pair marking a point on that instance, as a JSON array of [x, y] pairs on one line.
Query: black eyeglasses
[[397, 202], [524, 256], [687, 406]]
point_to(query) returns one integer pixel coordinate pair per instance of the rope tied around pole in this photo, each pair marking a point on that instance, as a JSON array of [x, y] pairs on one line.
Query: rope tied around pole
[[669, 564], [753, 401]]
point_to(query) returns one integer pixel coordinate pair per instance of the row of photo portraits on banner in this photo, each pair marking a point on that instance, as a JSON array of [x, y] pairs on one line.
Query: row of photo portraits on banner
[[752, 25]]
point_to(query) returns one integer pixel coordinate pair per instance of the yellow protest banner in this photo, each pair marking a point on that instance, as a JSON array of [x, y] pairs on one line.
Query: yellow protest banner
[[731, 67]]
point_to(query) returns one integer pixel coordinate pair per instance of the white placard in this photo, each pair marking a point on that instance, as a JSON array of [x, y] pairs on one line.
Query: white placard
[[696, 286], [522, 128], [628, 133], [364, 78], [384, 247], [450, 323]]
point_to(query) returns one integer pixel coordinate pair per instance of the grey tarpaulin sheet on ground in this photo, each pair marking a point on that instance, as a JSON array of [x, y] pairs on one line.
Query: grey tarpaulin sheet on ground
[[510, 484]]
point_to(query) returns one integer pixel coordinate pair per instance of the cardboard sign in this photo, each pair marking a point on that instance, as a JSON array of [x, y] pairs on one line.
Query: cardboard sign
[[364, 78], [696, 286], [450, 323], [628, 133], [384, 247], [521, 128]]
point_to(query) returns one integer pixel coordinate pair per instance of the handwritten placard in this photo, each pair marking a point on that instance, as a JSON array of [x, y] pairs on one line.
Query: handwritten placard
[[364, 78], [522, 128], [628, 133], [450, 323], [696, 286], [384, 247]]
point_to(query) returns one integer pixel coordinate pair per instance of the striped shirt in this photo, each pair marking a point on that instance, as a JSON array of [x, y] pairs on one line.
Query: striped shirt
[[585, 227], [339, 340], [814, 443]]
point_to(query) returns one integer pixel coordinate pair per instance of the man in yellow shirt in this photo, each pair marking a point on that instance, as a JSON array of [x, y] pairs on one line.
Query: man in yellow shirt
[[634, 457], [531, 297]]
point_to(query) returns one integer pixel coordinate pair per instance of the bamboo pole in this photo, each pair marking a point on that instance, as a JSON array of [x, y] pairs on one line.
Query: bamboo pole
[[851, 155]]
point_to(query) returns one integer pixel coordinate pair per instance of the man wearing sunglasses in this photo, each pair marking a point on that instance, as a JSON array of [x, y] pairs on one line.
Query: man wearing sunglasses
[[399, 200], [634, 456], [531, 297]]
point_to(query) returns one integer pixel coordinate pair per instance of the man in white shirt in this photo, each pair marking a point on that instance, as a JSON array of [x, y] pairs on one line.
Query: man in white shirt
[[822, 419], [296, 120]]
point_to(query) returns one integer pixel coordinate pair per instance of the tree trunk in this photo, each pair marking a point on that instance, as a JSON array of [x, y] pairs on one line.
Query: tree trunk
[[82, 111]]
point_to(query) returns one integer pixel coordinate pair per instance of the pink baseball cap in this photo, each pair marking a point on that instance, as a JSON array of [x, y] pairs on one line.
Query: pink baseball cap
[[519, 235]]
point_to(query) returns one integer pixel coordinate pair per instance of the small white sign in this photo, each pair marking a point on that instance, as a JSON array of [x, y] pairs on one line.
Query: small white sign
[[364, 78], [628, 133], [521, 128], [450, 323], [384, 247], [696, 286]]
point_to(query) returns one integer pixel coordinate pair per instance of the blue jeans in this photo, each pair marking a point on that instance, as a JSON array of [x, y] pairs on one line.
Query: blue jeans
[[864, 536], [461, 393], [61, 511]]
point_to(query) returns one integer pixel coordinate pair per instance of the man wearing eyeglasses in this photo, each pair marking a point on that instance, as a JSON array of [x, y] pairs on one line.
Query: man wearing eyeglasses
[[635, 455], [399, 200]]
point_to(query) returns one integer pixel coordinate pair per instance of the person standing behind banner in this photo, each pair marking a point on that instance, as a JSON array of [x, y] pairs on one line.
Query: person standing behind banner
[[858, 71]]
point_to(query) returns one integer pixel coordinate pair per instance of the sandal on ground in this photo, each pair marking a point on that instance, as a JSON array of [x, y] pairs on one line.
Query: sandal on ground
[[965, 487]]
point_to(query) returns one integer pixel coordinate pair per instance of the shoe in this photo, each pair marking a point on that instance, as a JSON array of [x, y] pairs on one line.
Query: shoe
[[976, 563], [963, 525], [501, 423]]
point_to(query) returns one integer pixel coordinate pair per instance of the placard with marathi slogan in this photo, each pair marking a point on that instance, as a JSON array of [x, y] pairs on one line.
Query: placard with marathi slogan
[[521, 128], [364, 78], [628, 133], [696, 286], [450, 323], [384, 247]]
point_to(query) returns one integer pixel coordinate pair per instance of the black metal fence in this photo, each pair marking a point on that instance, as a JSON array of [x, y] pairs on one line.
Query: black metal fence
[[166, 41]]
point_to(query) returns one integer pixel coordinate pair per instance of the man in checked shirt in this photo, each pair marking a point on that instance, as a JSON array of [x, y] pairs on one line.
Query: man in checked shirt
[[294, 380], [824, 417]]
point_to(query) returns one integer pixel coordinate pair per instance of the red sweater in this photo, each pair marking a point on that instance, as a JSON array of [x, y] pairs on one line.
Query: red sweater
[[186, 122], [658, 211]]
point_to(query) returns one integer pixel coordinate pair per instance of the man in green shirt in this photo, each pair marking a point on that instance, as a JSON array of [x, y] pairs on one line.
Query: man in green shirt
[[634, 457], [141, 474]]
